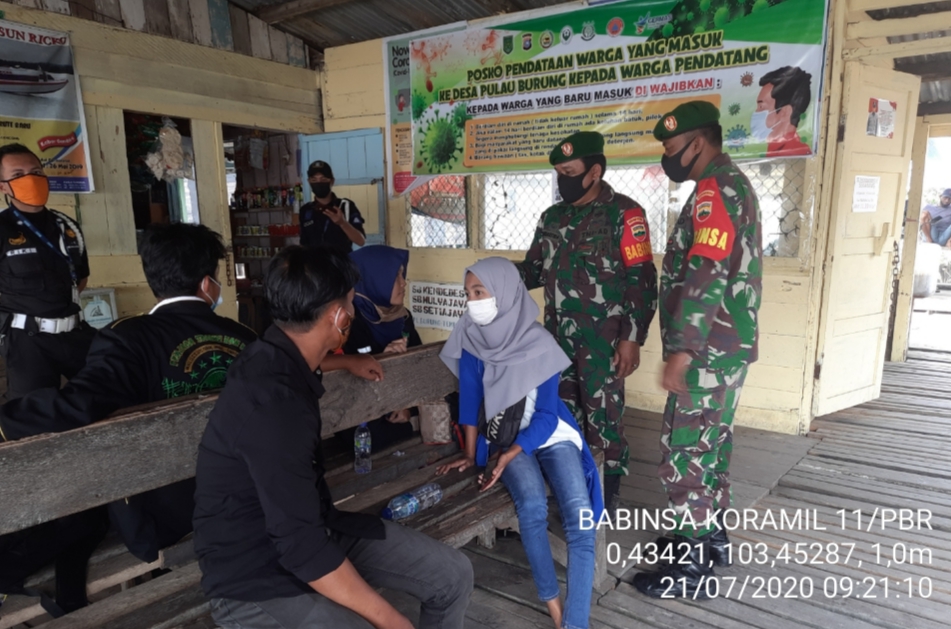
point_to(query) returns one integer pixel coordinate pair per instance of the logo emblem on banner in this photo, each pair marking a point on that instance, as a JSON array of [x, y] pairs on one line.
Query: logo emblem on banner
[[670, 123], [566, 34], [527, 41], [587, 32], [567, 149], [508, 44], [615, 27], [546, 39]]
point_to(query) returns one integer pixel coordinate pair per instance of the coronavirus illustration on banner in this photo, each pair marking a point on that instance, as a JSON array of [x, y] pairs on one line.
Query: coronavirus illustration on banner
[[497, 96], [41, 106]]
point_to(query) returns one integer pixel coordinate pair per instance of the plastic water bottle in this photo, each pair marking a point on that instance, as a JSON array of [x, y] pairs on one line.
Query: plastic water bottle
[[413, 502], [362, 463]]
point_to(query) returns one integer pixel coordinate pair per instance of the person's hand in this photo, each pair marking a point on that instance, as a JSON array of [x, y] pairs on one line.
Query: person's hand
[[396, 347], [627, 358], [487, 480], [366, 367], [674, 370], [398, 417], [335, 214], [459, 464]]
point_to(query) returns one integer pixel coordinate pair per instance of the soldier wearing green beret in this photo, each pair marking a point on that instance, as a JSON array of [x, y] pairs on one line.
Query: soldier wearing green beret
[[592, 254], [710, 293]]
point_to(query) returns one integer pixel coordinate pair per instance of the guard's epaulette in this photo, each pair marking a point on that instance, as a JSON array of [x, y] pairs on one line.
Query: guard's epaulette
[[126, 318]]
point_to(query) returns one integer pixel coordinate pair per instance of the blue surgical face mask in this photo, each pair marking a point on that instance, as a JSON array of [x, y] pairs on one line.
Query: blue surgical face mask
[[759, 130], [220, 299]]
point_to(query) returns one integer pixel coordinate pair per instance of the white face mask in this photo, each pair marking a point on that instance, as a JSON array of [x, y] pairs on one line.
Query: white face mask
[[484, 311], [220, 299], [759, 130]]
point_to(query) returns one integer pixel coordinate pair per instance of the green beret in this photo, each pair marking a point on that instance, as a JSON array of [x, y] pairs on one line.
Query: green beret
[[577, 145], [696, 114]]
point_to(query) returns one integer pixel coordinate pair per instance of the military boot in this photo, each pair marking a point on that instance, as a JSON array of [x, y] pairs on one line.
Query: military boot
[[720, 551], [688, 577]]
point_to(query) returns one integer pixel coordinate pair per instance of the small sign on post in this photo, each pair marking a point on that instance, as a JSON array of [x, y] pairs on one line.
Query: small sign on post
[[436, 305]]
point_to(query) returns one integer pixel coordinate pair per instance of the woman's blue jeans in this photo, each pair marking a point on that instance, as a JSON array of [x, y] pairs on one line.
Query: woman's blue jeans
[[525, 478]]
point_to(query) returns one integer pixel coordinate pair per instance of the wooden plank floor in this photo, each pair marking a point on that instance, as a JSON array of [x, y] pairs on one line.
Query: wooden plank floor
[[878, 458]]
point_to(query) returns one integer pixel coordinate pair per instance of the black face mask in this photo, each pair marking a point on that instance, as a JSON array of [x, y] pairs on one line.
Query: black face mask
[[321, 189], [572, 189], [674, 169]]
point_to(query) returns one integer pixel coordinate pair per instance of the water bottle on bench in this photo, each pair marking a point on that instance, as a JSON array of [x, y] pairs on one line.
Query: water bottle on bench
[[413, 502]]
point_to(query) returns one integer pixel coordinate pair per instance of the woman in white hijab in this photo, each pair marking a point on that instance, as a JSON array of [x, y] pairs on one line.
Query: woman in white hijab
[[508, 365]]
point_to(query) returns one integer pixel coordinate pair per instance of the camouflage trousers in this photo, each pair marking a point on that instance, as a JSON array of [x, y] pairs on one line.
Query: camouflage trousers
[[697, 443], [590, 388]]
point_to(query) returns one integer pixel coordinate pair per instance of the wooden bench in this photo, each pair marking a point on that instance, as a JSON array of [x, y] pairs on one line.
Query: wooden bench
[[54, 475]]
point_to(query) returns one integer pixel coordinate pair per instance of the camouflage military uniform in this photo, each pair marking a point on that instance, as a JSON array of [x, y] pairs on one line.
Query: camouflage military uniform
[[596, 265], [709, 297]]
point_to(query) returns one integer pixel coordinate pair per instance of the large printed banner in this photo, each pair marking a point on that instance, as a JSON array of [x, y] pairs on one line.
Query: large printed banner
[[399, 111], [40, 103], [498, 98]]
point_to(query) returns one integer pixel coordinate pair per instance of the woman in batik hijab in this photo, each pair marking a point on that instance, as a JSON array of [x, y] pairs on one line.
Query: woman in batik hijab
[[508, 367]]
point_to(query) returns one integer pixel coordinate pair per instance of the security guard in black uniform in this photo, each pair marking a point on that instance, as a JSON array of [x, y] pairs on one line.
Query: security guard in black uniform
[[43, 268], [329, 221]]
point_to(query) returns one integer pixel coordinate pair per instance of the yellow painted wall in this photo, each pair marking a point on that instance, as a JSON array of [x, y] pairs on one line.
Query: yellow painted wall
[[777, 384], [125, 70]]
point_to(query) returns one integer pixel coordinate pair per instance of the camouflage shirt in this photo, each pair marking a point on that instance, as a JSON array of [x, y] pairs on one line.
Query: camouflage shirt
[[595, 260], [712, 282]]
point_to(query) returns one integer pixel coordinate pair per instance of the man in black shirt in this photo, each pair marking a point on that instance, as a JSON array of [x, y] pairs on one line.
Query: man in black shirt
[[273, 549], [329, 220], [43, 268]]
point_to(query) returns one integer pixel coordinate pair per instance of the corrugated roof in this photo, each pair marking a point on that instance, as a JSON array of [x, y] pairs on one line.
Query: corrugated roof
[[934, 70], [362, 20]]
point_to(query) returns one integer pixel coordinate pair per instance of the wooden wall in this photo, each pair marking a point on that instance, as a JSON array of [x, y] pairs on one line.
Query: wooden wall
[[777, 384], [121, 70], [211, 23]]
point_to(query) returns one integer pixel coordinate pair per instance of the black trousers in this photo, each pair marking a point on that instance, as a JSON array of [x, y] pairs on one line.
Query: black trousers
[[68, 543], [37, 361]]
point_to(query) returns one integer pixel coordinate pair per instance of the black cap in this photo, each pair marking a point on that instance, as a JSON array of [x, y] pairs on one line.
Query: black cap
[[320, 168]]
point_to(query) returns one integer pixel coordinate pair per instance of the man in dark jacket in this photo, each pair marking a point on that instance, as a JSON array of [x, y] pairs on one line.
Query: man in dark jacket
[[329, 221]]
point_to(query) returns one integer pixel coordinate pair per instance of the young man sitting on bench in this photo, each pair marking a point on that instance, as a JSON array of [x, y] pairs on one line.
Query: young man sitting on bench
[[273, 549]]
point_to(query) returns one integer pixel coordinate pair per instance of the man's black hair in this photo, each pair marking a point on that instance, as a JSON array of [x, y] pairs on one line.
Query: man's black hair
[[176, 258], [16, 149], [591, 160], [713, 135], [790, 87], [302, 282]]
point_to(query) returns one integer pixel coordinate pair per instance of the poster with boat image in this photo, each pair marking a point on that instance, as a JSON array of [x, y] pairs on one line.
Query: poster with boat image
[[41, 106]]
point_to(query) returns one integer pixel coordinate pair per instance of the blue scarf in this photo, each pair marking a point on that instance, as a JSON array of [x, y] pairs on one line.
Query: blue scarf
[[379, 265]]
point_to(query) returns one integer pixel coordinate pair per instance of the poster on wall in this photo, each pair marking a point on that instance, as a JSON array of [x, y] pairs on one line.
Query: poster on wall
[[400, 106], [497, 97], [881, 118], [41, 105]]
